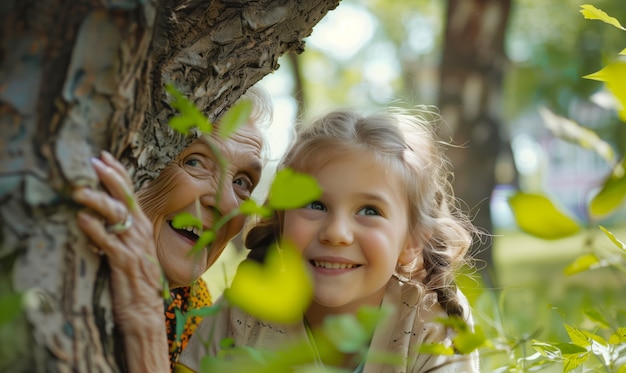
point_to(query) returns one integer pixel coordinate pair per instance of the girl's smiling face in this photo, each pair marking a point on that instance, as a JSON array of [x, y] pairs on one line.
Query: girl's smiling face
[[354, 235]]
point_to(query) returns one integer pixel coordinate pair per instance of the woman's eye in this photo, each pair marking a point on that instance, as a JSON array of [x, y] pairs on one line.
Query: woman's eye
[[198, 165], [316, 205], [192, 162], [244, 183], [369, 211]]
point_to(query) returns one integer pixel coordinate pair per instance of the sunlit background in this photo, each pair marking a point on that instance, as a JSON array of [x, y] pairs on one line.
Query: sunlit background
[[370, 54]]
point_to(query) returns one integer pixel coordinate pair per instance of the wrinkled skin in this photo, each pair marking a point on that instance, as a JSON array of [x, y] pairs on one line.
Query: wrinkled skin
[[136, 280], [190, 184], [195, 184]]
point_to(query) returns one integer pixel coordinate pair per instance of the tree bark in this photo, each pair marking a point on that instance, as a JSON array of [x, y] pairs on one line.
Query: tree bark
[[472, 68], [81, 76]]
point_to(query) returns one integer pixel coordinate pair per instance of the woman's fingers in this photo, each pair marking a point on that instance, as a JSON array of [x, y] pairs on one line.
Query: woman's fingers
[[112, 210], [95, 230], [116, 182], [117, 166]]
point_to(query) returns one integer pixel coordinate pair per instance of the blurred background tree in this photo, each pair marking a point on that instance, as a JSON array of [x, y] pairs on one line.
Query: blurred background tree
[[372, 53], [488, 65]]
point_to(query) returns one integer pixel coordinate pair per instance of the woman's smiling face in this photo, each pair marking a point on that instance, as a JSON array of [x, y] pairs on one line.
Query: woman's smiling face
[[195, 183]]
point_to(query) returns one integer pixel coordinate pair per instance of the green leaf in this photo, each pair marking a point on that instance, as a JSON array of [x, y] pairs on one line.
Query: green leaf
[[614, 239], [206, 238], [594, 337], [234, 118], [454, 322], [435, 349], [293, 190], [345, 332], [370, 317], [571, 362], [278, 290], [577, 336], [210, 363], [570, 348], [181, 320], [181, 124], [384, 358], [185, 219], [581, 264], [204, 311], [190, 117], [250, 207], [548, 350], [468, 341], [536, 215], [591, 12], [614, 75], [611, 195], [227, 342], [595, 316], [573, 132], [618, 337], [10, 307]]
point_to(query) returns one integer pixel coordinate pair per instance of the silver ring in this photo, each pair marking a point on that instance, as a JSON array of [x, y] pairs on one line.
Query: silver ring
[[122, 226]]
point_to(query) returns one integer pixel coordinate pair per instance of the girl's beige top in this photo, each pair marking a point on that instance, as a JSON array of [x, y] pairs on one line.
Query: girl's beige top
[[412, 323]]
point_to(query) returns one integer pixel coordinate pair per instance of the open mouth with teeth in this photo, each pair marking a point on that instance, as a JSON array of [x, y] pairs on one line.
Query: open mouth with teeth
[[333, 265], [192, 233]]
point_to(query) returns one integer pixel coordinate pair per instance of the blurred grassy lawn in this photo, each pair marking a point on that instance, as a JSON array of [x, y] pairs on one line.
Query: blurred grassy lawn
[[534, 297]]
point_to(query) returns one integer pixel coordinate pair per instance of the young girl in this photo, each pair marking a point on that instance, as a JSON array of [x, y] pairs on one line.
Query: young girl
[[384, 232]]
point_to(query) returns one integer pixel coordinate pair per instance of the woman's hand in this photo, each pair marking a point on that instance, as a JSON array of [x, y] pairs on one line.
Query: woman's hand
[[126, 238]]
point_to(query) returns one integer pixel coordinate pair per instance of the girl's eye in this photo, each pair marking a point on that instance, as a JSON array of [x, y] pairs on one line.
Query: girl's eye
[[316, 205], [368, 211]]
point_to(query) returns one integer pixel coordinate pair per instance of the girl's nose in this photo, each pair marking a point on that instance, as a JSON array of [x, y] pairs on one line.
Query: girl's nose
[[336, 231]]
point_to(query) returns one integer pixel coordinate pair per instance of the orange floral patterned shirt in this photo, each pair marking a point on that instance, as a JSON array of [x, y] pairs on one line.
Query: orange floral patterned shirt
[[185, 298]]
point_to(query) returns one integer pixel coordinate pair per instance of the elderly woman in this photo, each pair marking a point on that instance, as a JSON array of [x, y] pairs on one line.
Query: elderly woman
[[141, 233]]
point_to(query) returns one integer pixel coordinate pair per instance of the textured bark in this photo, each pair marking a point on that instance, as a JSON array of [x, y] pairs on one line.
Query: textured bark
[[470, 94], [80, 76]]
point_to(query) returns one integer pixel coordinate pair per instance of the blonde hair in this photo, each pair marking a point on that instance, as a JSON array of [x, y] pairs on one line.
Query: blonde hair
[[405, 142]]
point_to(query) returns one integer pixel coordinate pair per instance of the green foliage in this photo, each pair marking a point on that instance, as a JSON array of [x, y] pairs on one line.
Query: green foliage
[[186, 219], [572, 132], [234, 118], [10, 307], [614, 75], [591, 12], [249, 207], [351, 334], [537, 215], [612, 193], [599, 343], [292, 190], [584, 344], [465, 341], [190, 116], [278, 290]]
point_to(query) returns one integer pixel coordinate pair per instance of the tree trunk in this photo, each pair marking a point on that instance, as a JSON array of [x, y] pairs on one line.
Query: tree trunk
[[470, 94], [80, 76]]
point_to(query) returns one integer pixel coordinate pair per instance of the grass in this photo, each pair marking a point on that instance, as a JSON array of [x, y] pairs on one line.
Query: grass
[[535, 298]]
